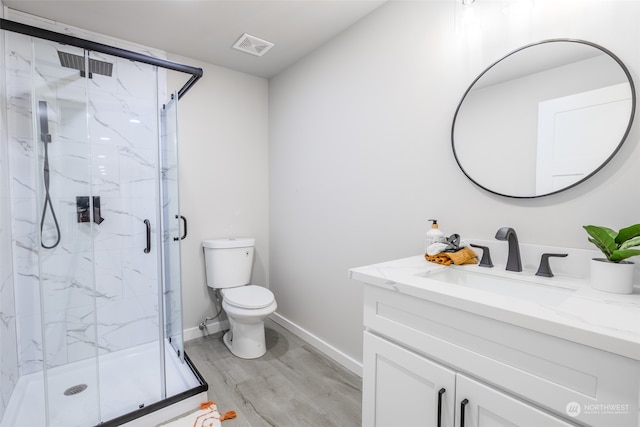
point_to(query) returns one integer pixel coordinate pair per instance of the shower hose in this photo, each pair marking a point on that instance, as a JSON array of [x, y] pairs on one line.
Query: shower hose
[[47, 195]]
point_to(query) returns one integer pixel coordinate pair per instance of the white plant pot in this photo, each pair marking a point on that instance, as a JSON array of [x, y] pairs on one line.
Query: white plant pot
[[612, 277]]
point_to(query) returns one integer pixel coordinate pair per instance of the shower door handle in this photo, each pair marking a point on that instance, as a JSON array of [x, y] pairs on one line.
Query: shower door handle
[[148, 224], [184, 220]]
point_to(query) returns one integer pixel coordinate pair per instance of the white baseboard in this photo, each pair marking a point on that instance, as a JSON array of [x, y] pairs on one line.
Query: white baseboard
[[212, 328], [321, 345]]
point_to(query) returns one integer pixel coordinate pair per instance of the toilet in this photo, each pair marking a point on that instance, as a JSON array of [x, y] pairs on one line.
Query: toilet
[[228, 264]]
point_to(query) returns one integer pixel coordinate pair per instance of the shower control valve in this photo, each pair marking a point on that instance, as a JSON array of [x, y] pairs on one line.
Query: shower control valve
[[82, 207], [84, 210]]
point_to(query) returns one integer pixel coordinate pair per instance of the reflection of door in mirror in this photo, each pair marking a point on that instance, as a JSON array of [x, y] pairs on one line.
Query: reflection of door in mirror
[[575, 134]]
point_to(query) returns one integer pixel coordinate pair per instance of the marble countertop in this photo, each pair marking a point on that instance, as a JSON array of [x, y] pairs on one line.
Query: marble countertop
[[578, 313]]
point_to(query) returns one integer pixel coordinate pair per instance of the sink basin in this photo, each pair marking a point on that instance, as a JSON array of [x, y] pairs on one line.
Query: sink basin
[[525, 288]]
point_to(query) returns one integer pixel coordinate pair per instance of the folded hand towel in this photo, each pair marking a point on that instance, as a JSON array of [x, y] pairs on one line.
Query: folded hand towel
[[441, 258], [463, 256]]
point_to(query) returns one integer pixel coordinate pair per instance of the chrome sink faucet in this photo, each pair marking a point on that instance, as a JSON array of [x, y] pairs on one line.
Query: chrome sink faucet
[[514, 263]]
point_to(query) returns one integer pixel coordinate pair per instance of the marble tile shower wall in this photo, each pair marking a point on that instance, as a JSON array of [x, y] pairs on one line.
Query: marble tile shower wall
[[8, 355], [99, 289]]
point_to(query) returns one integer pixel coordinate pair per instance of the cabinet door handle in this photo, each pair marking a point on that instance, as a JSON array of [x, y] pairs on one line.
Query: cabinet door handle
[[462, 405], [440, 393]]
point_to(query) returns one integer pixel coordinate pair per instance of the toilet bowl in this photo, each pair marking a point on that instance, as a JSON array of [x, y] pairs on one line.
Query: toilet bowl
[[247, 307], [228, 264]]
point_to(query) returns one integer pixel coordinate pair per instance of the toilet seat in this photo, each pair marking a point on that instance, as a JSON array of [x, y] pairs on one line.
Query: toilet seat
[[250, 297]]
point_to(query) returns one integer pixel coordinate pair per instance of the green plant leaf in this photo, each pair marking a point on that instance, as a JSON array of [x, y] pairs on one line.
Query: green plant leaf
[[598, 245], [620, 255], [603, 238], [628, 233], [631, 243]]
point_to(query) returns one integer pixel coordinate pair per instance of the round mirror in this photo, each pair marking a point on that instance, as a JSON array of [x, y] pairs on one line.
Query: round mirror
[[543, 118]]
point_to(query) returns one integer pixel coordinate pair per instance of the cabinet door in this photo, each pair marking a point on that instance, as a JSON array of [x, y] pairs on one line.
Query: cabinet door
[[487, 407], [402, 388]]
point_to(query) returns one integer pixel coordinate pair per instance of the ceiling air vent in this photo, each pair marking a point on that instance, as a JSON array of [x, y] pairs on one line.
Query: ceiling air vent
[[253, 45]]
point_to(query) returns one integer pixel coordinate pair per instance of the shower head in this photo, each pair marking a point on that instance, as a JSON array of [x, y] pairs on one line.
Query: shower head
[[76, 62], [44, 121]]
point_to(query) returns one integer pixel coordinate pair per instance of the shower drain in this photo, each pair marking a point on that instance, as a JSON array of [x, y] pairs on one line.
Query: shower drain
[[75, 389]]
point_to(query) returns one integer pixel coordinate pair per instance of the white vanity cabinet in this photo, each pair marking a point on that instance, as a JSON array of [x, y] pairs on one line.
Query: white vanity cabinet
[[510, 375], [484, 406], [403, 388]]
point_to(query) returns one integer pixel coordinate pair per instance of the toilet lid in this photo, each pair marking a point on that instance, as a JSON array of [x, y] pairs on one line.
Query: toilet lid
[[250, 296]]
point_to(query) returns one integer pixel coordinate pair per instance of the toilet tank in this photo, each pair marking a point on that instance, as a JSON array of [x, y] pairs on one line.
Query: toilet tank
[[228, 262]]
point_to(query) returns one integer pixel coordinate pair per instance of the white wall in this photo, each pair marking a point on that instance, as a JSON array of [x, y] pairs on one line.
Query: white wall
[[223, 130], [360, 152]]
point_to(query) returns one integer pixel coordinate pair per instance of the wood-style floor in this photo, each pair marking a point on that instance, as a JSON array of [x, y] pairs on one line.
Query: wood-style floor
[[292, 385]]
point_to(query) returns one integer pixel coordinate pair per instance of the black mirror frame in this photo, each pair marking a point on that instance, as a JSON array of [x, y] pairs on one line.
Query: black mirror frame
[[624, 137]]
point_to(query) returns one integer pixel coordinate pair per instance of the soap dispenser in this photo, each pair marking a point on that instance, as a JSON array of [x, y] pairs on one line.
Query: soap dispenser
[[434, 235]]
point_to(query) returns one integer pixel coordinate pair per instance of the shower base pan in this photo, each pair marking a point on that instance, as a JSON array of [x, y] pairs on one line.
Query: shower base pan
[[128, 392]]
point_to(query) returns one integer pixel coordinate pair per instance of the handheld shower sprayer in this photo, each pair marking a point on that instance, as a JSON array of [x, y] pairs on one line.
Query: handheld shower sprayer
[[45, 137]]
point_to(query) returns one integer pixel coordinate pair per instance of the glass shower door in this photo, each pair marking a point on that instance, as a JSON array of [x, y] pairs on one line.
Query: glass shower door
[[96, 171], [171, 226], [124, 133], [64, 235]]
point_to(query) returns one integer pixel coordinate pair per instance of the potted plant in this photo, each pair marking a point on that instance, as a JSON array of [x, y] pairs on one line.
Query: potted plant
[[613, 273]]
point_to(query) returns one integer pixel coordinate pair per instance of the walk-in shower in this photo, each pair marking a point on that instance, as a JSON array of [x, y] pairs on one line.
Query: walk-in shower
[[91, 313]]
